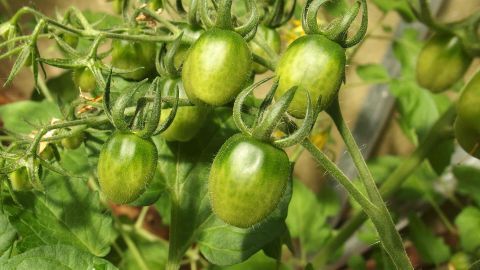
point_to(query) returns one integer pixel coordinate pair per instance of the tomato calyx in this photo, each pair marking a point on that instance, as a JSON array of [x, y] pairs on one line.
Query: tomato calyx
[[143, 124], [278, 14], [338, 29], [269, 117], [224, 18]]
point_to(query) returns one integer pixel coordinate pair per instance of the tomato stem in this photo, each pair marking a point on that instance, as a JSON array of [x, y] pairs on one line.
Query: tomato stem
[[437, 133]]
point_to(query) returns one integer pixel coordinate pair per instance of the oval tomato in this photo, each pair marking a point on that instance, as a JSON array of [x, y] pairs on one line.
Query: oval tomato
[[188, 120], [133, 55], [272, 39], [315, 64], [84, 80], [247, 180], [468, 105], [19, 180], [73, 142], [126, 166], [441, 63], [468, 138], [216, 68]]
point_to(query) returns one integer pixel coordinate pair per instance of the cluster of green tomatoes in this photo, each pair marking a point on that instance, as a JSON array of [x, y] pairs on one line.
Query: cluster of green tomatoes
[[212, 72]]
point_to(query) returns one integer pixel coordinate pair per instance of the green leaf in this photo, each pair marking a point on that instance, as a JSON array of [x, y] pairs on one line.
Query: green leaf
[[400, 6], [417, 107], [257, 262], [18, 117], [468, 181], [308, 213], [61, 87], [69, 212], [373, 73], [55, 257], [440, 156], [468, 222], [432, 249], [154, 255], [357, 262], [223, 244], [19, 63], [8, 234]]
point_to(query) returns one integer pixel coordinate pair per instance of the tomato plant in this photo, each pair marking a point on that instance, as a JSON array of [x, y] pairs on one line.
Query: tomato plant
[[221, 134]]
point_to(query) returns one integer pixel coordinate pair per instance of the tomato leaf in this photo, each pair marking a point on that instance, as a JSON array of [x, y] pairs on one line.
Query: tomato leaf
[[223, 244], [18, 117], [468, 222], [308, 213], [7, 234], [468, 181], [373, 73], [154, 255], [71, 211], [400, 6], [257, 262], [56, 257], [432, 249]]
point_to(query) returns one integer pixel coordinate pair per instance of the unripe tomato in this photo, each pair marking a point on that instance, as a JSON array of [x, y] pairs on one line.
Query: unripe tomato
[[216, 68], [468, 106], [155, 4], [126, 165], [73, 142], [188, 120], [19, 180], [133, 55], [468, 138], [272, 39], [84, 80], [315, 64], [247, 180], [47, 153], [441, 63]]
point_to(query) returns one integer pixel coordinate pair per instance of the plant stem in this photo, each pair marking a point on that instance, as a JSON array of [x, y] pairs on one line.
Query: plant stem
[[389, 237], [437, 133]]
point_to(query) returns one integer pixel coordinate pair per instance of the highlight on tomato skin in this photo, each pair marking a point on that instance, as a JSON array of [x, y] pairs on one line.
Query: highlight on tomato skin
[[247, 180]]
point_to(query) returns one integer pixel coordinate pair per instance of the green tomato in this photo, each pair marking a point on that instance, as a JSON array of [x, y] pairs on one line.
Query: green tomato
[[48, 153], [460, 261], [126, 166], [188, 120], [468, 106], [272, 39], [247, 180], [315, 64], [441, 63], [19, 180], [73, 142], [468, 138], [155, 4], [133, 55], [84, 80], [216, 68]]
